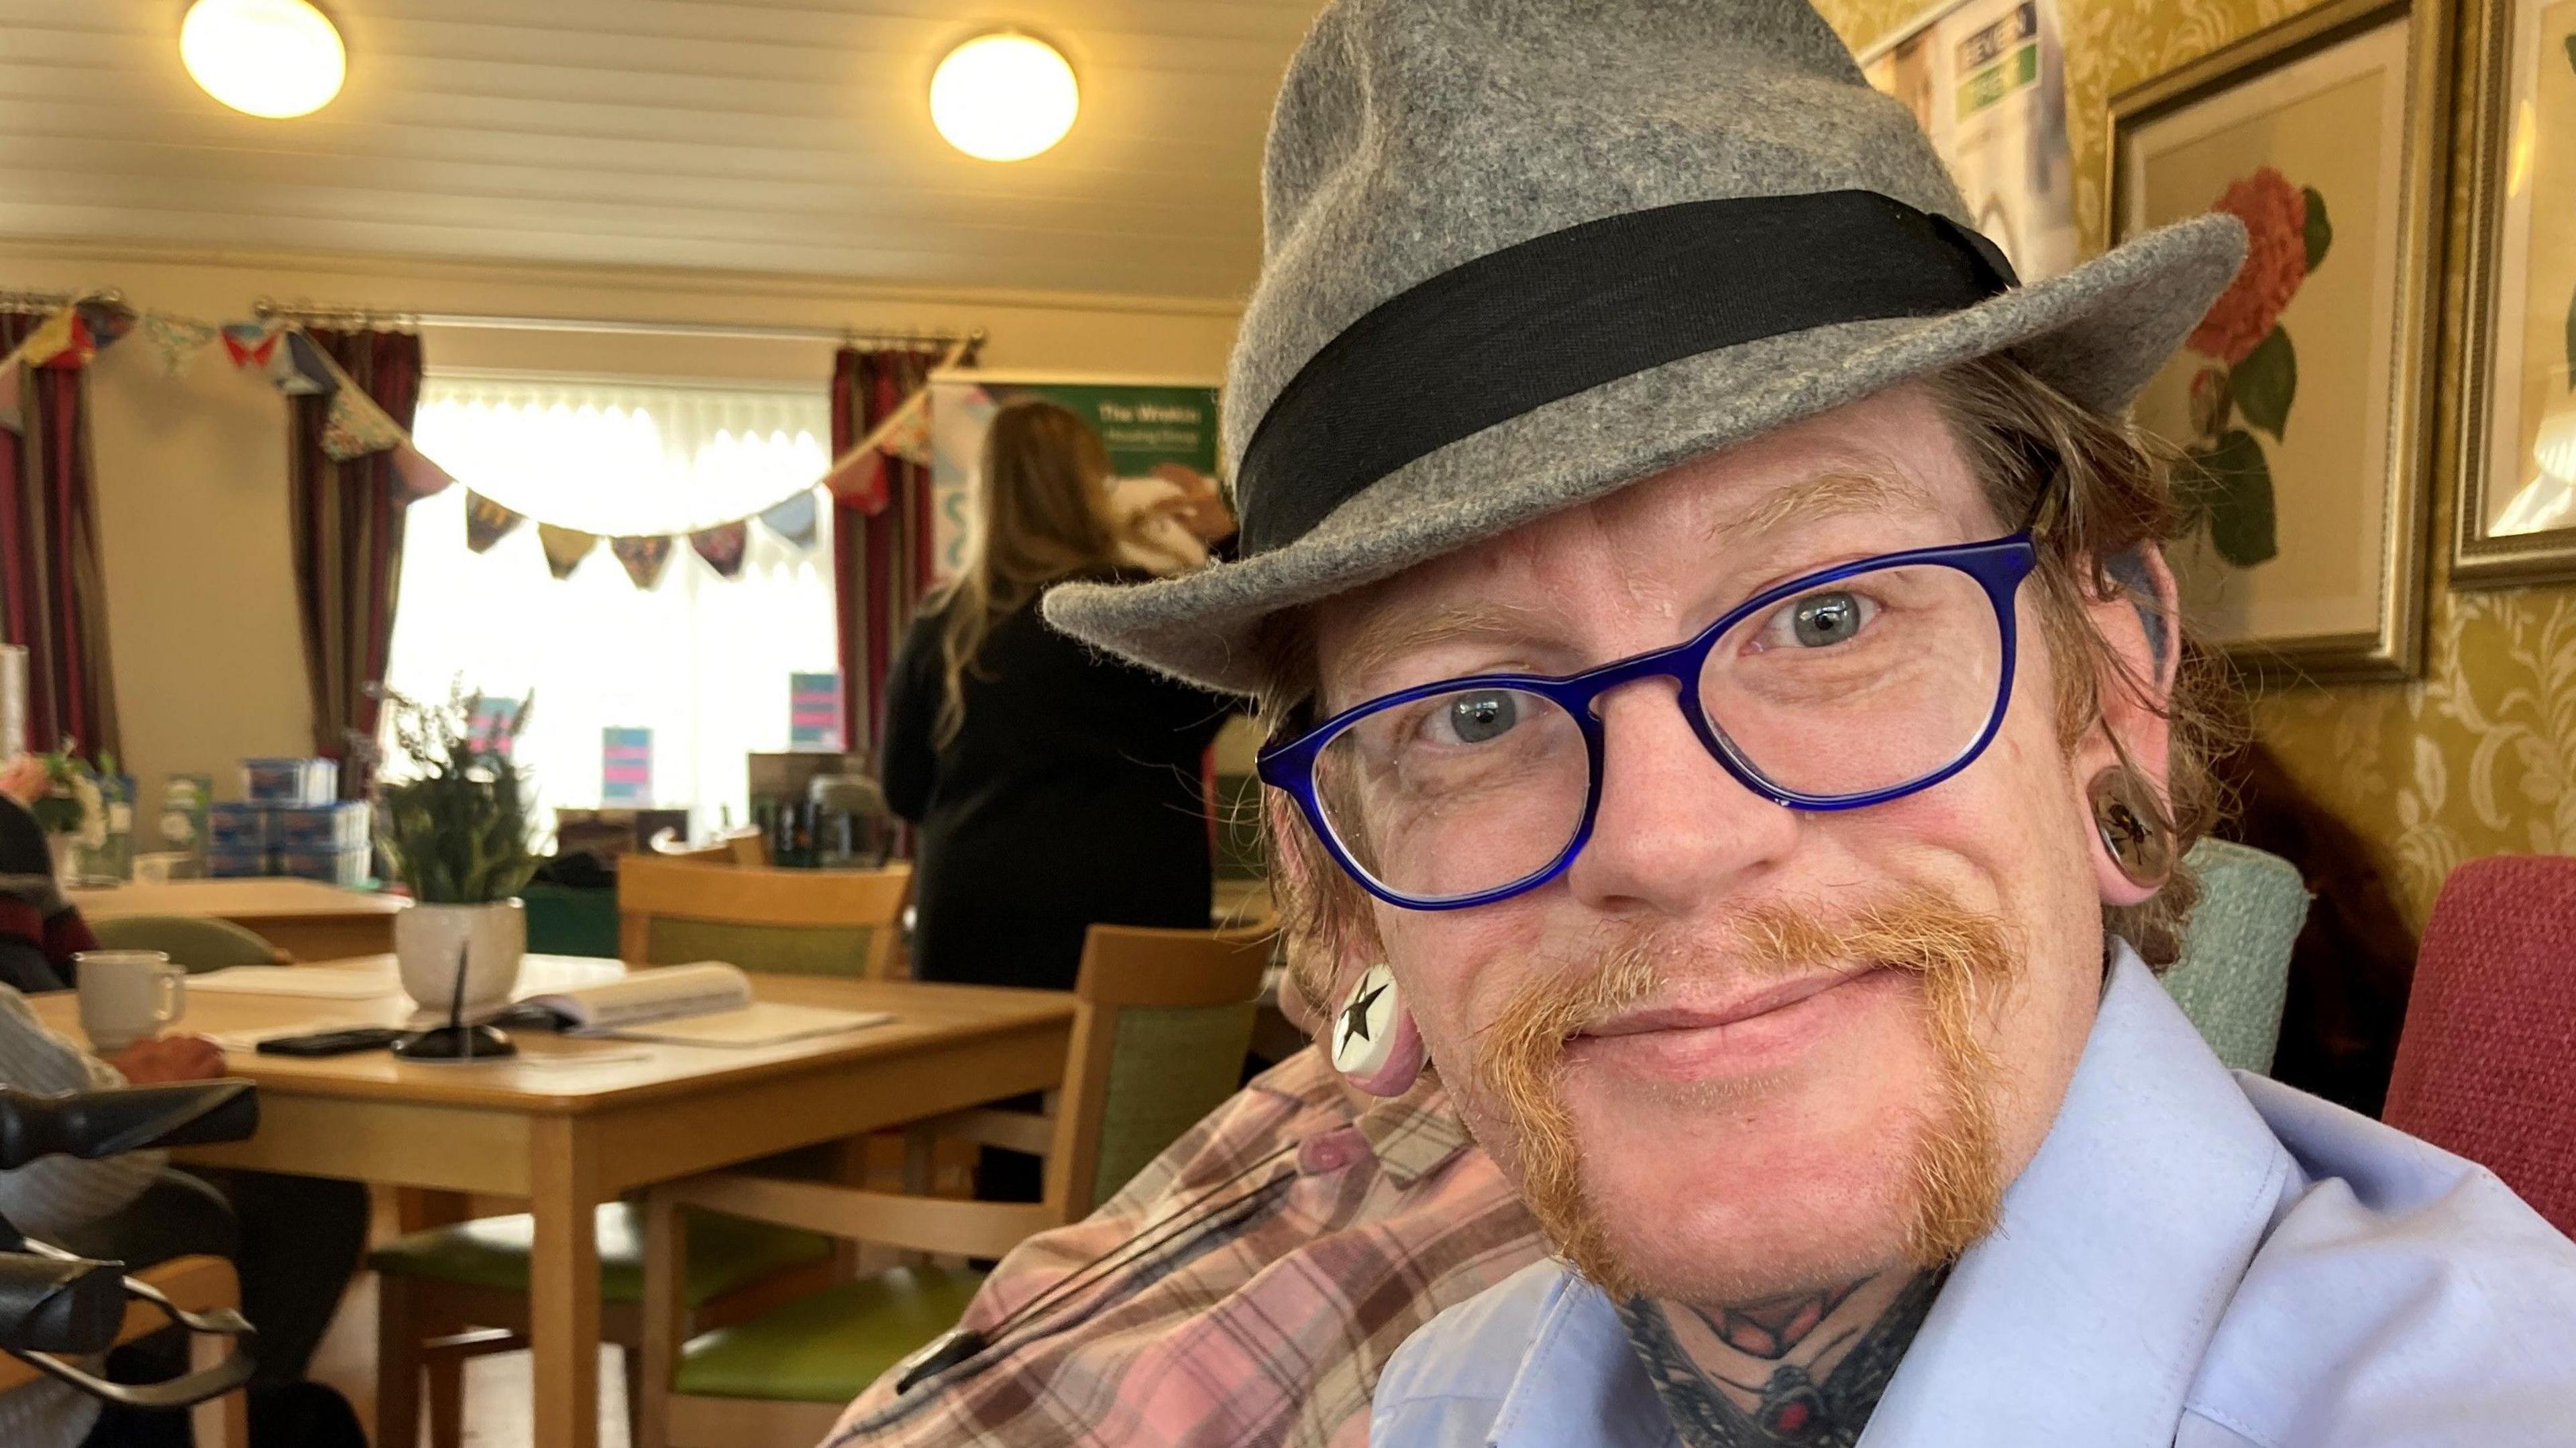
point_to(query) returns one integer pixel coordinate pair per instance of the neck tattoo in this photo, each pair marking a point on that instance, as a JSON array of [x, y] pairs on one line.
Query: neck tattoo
[[1790, 1407]]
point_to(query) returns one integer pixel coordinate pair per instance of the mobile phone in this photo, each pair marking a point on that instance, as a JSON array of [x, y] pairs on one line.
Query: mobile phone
[[331, 1043]]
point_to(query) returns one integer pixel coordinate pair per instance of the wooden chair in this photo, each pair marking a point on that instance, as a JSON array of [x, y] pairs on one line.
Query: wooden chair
[[790, 922], [1162, 1021], [450, 1293], [747, 846], [195, 1284]]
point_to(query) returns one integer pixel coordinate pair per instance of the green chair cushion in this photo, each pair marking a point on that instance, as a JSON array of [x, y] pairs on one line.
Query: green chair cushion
[[492, 1252], [1169, 1066], [828, 1347], [2234, 975], [194, 943], [777, 949]]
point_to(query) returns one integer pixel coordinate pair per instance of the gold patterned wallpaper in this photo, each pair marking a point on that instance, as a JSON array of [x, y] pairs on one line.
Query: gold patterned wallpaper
[[2476, 757]]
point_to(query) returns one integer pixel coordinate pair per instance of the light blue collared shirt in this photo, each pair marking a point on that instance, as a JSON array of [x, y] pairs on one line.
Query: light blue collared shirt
[[2193, 1258]]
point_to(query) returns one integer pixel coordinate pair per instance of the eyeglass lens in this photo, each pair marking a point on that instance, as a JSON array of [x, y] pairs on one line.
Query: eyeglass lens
[[1859, 687]]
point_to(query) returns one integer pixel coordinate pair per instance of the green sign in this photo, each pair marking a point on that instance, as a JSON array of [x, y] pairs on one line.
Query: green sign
[[1144, 425]]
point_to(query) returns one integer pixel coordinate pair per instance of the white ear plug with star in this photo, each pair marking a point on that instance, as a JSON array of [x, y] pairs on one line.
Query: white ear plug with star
[[1374, 1040]]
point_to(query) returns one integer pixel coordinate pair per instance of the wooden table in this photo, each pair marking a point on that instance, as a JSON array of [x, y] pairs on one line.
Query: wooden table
[[569, 1136], [305, 918]]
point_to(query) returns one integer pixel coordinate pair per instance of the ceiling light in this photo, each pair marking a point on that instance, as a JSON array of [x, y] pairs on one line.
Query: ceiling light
[[1004, 97], [273, 58]]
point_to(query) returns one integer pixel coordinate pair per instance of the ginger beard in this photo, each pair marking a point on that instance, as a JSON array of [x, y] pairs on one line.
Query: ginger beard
[[1962, 960]]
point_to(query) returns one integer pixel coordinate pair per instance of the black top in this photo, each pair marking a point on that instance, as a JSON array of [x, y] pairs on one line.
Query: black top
[[1071, 795]]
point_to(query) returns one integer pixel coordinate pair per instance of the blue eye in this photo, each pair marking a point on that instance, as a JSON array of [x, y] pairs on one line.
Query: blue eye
[[1818, 621], [1480, 717]]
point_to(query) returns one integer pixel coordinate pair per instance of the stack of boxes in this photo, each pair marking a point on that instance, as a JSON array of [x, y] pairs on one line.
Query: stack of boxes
[[290, 821]]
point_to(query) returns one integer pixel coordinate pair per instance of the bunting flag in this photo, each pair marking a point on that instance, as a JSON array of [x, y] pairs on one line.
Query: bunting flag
[[722, 547], [64, 341], [300, 370], [859, 474], [487, 522], [250, 344], [860, 477], [420, 477], [174, 340], [565, 548], [793, 519], [645, 558], [108, 322], [356, 426]]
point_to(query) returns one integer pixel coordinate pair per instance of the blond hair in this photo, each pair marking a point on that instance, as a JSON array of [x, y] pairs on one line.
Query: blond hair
[[1042, 513]]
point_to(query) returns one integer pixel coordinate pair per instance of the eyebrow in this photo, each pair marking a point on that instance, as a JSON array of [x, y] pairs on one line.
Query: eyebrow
[[1388, 635], [1845, 490], [1393, 633]]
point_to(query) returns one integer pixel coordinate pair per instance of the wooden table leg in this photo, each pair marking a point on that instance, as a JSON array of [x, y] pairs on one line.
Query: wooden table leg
[[563, 1283]]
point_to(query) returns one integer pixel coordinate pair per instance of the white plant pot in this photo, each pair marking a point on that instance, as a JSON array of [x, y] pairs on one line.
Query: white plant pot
[[430, 939]]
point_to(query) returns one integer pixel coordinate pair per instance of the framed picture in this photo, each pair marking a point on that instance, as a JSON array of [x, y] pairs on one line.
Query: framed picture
[[2302, 404], [2516, 459]]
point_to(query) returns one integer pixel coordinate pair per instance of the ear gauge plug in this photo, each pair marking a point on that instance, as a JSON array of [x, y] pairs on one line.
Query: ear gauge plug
[[1374, 1040], [2132, 826]]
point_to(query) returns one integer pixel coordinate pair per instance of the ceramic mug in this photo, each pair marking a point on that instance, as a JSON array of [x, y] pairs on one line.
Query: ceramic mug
[[127, 995]]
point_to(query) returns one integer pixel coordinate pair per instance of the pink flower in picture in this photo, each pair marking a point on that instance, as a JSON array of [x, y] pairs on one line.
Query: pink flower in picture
[[2275, 214]]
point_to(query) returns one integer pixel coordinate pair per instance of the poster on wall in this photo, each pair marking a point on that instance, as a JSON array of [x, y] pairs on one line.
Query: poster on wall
[[814, 712], [625, 766], [1145, 425], [1986, 79], [2300, 401]]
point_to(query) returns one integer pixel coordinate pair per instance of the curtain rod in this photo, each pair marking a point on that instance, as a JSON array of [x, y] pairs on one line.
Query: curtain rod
[[926, 337], [18, 301]]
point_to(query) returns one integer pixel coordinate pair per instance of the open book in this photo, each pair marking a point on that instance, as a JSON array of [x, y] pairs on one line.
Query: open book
[[706, 1004]]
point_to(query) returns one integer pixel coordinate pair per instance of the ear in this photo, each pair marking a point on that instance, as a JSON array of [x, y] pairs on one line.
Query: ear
[[1348, 1003], [2135, 688]]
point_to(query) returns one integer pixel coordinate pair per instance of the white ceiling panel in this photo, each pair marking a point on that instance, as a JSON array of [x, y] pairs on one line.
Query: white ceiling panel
[[755, 135]]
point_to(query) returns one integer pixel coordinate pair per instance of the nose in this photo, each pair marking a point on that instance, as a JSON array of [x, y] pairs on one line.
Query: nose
[[1674, 833]]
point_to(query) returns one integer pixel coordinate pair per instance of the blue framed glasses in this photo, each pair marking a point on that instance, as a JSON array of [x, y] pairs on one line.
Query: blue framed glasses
[[1851, 686]]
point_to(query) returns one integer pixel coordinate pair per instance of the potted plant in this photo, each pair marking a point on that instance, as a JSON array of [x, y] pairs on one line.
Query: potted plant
[[453, 820], [72, 811]]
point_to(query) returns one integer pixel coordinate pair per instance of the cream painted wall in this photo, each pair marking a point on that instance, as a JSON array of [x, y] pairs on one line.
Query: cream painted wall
[[191, 473]]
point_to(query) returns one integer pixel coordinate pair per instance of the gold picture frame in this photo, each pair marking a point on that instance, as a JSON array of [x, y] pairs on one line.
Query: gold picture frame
[[2280, 568], [2516, 342]]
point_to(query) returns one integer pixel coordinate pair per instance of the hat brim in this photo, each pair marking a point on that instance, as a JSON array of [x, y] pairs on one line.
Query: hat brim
[[2096, 333]]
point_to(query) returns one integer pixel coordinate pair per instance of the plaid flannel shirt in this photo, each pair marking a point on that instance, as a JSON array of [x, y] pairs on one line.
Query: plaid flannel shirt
[[1265, 1322]]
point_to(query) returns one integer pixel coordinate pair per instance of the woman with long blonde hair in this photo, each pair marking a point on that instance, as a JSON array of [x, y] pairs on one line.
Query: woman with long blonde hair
[[1054, 786]]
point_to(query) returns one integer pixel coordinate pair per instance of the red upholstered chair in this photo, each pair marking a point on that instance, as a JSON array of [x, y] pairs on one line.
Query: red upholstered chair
[[2487, 1064]]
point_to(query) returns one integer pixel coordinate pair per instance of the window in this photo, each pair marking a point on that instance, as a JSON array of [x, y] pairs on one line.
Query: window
[[702, 661]]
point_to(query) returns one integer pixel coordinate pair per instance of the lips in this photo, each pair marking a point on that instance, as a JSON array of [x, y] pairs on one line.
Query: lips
[[1695, 1039]]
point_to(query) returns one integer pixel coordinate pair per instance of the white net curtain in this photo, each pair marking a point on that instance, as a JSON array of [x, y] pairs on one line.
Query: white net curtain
[[701, 661]]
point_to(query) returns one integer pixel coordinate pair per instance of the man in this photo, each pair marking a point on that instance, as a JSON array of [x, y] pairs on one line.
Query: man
[[1738, 733]]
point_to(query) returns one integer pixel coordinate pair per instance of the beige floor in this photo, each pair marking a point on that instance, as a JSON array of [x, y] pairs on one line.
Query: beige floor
[[496, 1388]]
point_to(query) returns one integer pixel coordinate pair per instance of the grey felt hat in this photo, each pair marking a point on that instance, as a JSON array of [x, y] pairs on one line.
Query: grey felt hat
[[1523, 252]]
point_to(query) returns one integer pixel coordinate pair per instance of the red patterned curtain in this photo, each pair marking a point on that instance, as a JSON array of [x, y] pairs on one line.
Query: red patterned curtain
[[346, 522], [880, 534], [53, 597]]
